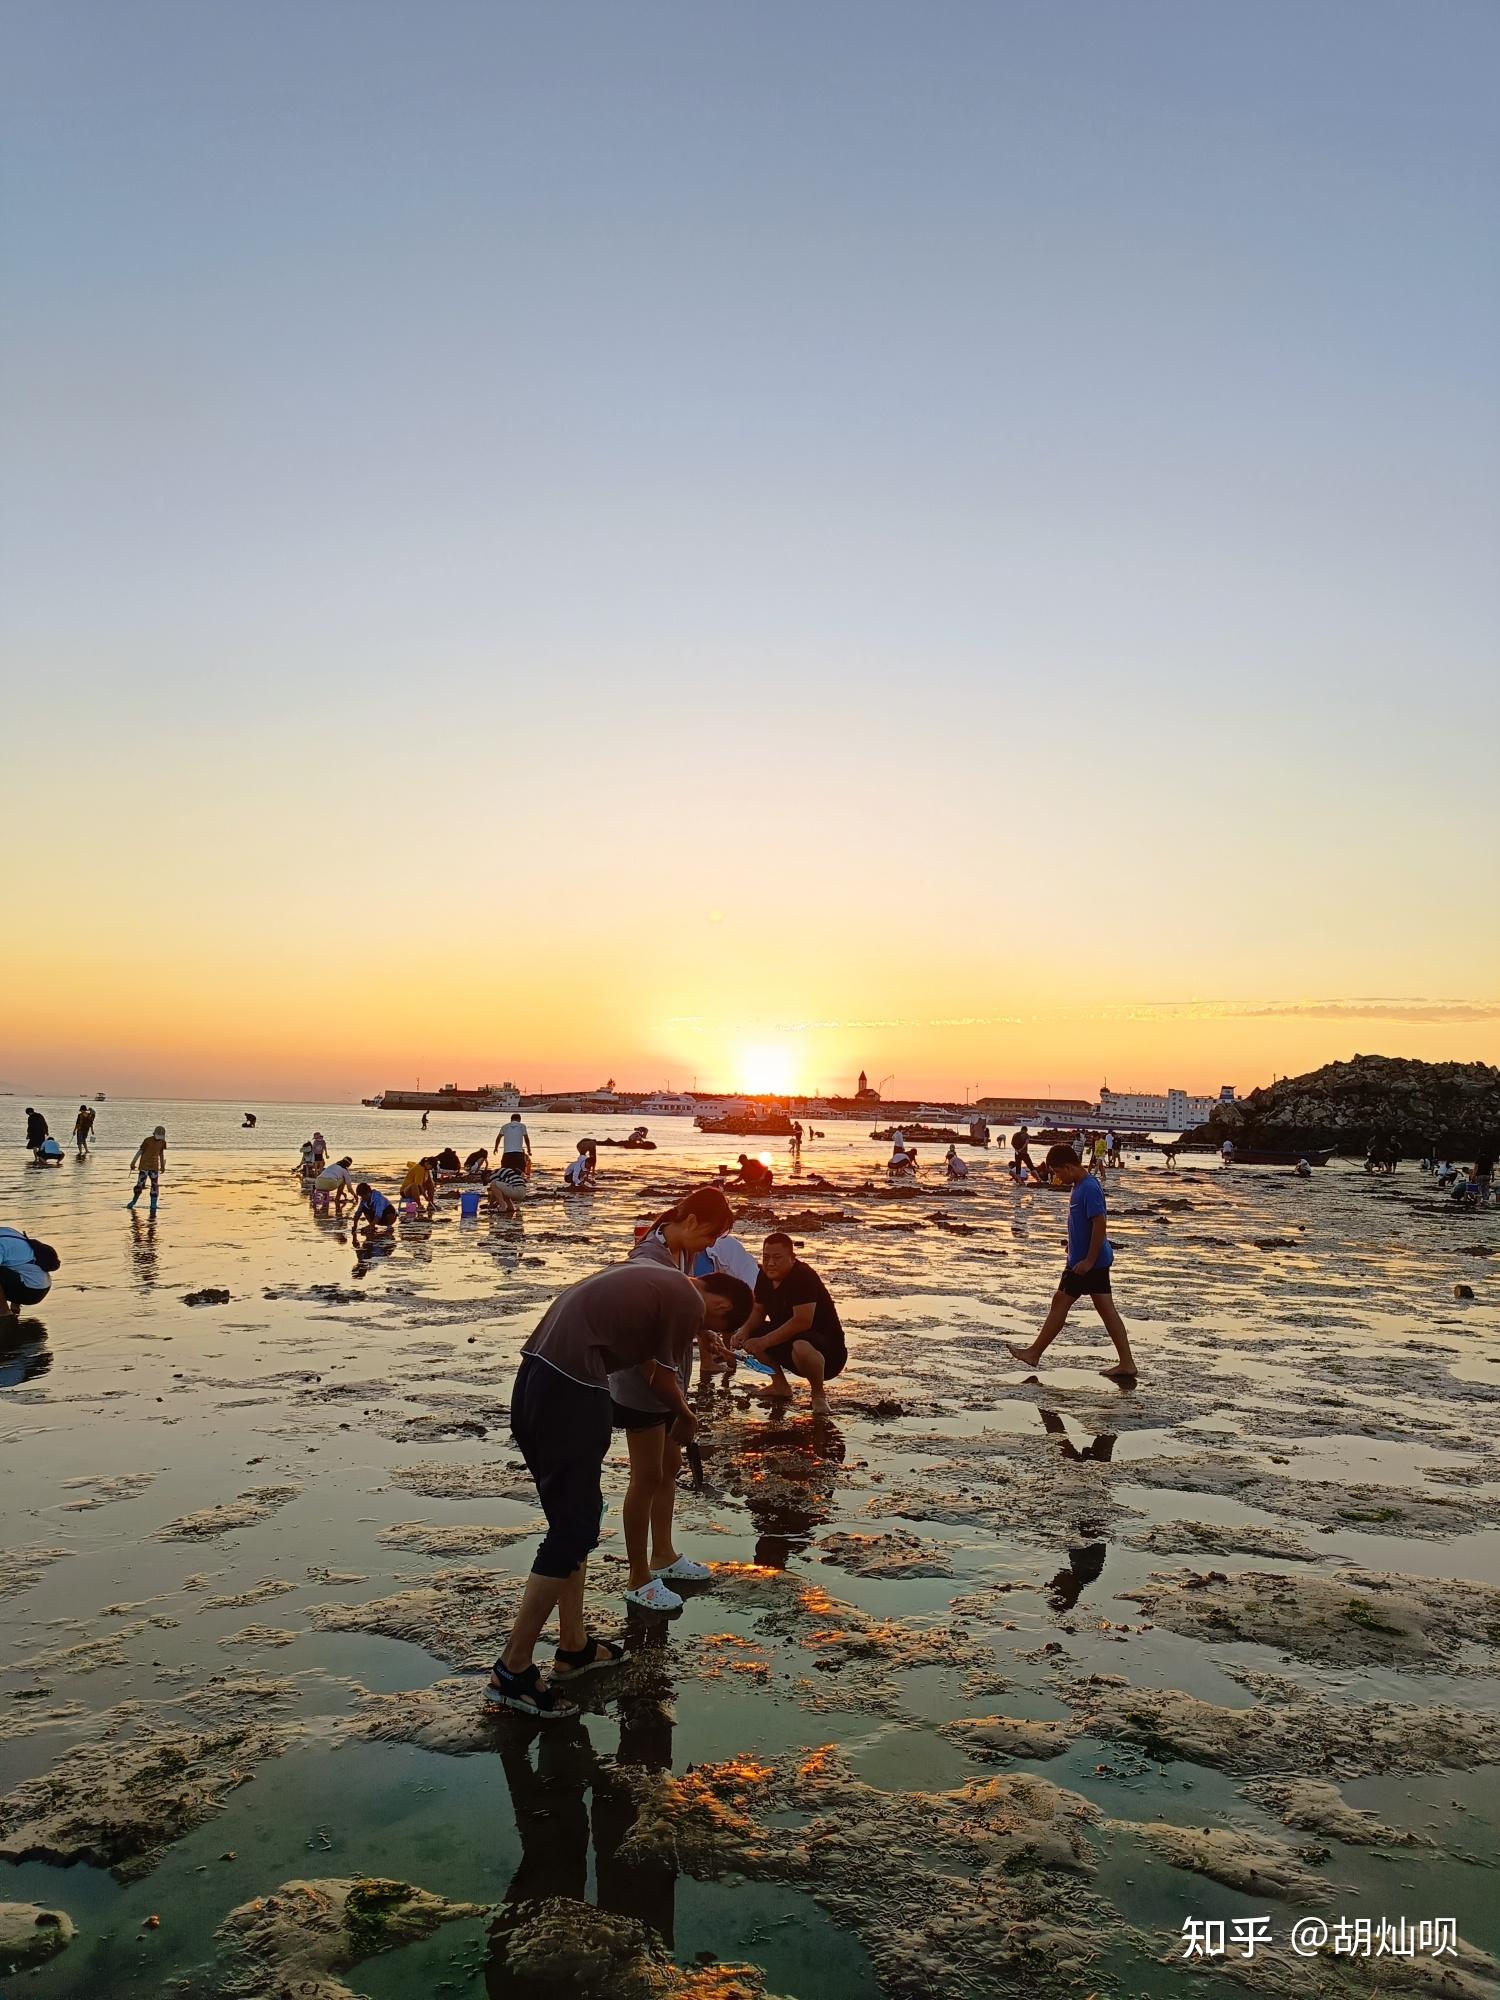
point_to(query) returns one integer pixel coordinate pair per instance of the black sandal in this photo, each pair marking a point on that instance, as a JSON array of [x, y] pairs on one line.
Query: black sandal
[[525, 1693], [587, 1658]]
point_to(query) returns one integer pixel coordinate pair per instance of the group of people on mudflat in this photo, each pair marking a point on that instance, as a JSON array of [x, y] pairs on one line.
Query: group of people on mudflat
[[614, 1352]]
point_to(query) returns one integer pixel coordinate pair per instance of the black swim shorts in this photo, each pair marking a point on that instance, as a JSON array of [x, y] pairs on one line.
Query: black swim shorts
[[625, 1418], [562, 1427], [1078, 1283], [835, 1355]]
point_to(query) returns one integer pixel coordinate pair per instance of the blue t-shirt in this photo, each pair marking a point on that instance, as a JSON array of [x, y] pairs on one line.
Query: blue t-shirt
[[1086, 1202]]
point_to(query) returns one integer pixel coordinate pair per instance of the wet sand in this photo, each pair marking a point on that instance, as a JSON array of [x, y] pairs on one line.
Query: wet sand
[[999, 1678]]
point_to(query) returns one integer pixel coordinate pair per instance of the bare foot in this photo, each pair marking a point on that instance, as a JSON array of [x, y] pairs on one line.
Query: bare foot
[[1126, 1377], [1023, 1354], [820, 1406], [772, 1394]]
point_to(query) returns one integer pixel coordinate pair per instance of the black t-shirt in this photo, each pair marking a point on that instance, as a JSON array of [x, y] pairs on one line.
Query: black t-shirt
[[801, 1287]]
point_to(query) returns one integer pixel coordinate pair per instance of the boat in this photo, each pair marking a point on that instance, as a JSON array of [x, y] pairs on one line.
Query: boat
[[100, 1098], [746, 1125], [929, 1135], [505, 1097]]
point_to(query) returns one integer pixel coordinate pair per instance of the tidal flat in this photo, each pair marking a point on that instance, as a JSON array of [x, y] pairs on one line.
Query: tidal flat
[[1001, 1677]]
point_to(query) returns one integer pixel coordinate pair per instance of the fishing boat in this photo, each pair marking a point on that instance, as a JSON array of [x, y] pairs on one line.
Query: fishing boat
[[928, 1135], [746, 1125]]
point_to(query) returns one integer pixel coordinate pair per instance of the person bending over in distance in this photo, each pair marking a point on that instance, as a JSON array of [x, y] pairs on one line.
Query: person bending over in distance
[[477, 1161], [149, 1164], [1090, 1259], [419, 1185], [496, 1199], [307, 1167], [682, 1240], [26, 1268], [36, 1131], [581, 1173], [634, 1315], [375, 1210], [803, 1331], [335, 1183], [754, 1176], [958, 1170]]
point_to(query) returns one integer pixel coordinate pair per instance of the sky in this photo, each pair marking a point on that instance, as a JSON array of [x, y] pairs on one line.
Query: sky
[[743, 543]]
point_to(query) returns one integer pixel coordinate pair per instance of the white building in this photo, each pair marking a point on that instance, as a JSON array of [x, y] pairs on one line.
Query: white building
[[1158, 1111]]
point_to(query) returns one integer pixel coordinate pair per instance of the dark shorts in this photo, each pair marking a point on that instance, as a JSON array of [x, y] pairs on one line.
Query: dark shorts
[[627, 1419], [16, 1292], [1078, 1284], [563, 1430], [835, 1355]]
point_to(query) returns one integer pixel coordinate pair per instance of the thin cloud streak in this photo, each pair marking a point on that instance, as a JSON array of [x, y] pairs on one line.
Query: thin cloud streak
[[1418, 1012]]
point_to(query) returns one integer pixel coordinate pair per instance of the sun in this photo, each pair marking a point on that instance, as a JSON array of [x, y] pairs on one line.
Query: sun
[[766, 1069]]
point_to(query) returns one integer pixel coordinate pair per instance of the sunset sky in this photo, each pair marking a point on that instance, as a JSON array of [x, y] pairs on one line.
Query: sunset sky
[[746, 542]]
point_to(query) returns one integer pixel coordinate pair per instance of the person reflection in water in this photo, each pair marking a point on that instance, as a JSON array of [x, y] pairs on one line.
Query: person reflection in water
[[24, 1353], [143, 1250], [1086, 1562], [787, 1473], [572, 1794]]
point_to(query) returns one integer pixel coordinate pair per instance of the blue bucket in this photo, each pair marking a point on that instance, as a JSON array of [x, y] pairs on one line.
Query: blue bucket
[[468, 1204]]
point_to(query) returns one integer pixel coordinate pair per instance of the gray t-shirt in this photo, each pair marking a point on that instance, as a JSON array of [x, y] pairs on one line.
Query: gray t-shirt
[[617, 1319], [628, 1386]]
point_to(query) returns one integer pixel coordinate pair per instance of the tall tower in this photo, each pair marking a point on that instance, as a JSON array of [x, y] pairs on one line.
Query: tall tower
[[862, 1086]]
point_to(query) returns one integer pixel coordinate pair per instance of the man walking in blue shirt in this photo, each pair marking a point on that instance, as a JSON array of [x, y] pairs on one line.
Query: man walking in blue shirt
[[1090, 1257]]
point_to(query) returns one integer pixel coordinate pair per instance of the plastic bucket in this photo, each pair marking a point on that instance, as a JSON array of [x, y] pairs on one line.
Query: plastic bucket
[[468, 1204]]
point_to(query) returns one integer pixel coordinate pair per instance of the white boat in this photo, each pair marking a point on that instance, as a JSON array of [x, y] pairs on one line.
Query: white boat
[[505, 1098]]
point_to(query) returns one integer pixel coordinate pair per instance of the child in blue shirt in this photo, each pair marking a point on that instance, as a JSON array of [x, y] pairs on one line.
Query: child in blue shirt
[[1087, 1271]]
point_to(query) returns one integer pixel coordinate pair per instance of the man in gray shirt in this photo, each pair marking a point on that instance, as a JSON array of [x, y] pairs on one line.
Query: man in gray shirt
[[637, 1315]]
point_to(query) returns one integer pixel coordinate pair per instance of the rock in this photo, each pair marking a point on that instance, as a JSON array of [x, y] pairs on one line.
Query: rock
[[118, 1802], [892, 1555], [31, 1934], [300, 1939], [1313, 1807], [1258, 1864], [1463, 1291], [211, 1295], [1300, 1732], [1453, 1106], [559, 1946], [997, 1738], [1355, 1618]]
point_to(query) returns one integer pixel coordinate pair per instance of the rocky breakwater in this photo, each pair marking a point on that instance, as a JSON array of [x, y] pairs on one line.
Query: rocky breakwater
[[1452, 1106]]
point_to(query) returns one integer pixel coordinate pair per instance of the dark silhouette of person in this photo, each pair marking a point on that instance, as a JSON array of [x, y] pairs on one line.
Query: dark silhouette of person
[[1086, 1562]]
